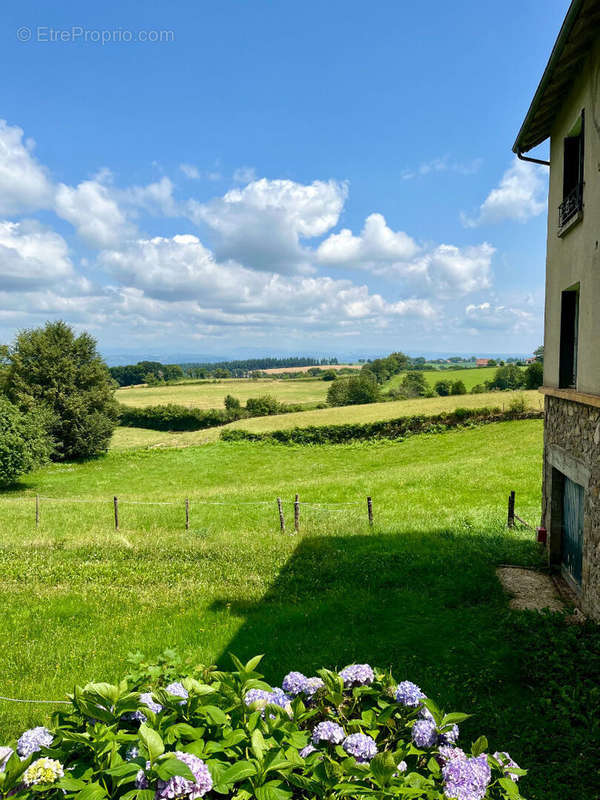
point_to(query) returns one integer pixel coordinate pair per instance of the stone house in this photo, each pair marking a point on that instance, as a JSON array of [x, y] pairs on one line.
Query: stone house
[[566, 110]]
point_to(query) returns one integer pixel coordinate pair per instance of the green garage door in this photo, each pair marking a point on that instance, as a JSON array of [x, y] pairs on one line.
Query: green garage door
[[572, 529]]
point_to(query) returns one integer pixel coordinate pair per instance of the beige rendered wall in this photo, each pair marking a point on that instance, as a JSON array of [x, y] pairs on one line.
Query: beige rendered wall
[[575, 258]]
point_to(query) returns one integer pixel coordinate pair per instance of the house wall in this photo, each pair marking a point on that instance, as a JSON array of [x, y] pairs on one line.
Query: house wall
[[572, 429]]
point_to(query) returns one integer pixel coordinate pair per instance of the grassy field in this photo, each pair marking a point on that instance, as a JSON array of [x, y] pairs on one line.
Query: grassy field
[[212, 395], [418, 592], [126, 438], [470, 377]]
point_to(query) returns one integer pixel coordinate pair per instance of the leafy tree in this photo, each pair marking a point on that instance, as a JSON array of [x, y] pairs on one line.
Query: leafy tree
[[458, 387], [329, 375], [355, 390], [414, 384], [539, 353], [443, 388], [507, 377], [534, 375], [221, 373], [263, 406], [24, 441], [52, 369], [492, 362]]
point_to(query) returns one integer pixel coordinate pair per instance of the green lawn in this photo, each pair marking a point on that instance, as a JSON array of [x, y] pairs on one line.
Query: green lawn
[[418, 592], [211, 395], [470, 377], [126, 438]]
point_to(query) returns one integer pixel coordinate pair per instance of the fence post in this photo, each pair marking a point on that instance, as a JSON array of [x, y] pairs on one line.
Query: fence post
[[281, 517], [187, 513], [511, 510], [370, 510], [297, 513], [116, 502], [37, 510]]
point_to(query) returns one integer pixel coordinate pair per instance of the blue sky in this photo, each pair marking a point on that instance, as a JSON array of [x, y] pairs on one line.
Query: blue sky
[[285, 176]]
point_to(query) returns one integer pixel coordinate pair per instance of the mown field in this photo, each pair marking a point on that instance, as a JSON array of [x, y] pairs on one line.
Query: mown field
[[417, 592], [126, 438], [211, 395]]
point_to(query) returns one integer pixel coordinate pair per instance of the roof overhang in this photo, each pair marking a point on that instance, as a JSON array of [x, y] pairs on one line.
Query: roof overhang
[[575, 40]]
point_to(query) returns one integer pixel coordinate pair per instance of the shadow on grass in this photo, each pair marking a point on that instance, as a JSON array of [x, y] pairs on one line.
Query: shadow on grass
[[427, 604]]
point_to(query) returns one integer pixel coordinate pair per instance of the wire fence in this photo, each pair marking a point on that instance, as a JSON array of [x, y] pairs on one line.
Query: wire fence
[[40, 503]]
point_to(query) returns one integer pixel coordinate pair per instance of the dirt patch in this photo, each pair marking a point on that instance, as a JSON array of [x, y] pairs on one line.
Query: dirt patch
[[530, 590]]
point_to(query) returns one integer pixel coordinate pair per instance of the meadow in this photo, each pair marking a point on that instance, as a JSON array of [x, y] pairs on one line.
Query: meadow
[[470, 377], [126, 438], [208, 394]]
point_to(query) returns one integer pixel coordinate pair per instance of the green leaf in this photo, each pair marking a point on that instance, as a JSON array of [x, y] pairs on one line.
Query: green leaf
[[70, 784], [510, 787], [383, 767], [215, 714], [121, 770], [237, 772], [151, 738], [455, 718], [272, 791], [92, 791], [253, 663], [480, 746], [258, 744], [170, 765]]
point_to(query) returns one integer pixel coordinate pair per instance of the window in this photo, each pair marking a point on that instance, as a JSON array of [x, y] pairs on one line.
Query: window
[[572, 205], [569, 324]]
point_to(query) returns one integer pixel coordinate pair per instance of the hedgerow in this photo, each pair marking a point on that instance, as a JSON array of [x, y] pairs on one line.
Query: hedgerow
[[385, 429], [160, 735]]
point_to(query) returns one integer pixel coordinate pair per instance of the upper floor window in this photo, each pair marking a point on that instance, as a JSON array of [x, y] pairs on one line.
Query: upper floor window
[[569, 334], [572, 205]]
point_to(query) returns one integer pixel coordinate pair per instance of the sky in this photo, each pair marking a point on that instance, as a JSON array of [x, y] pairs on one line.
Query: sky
[[233, 177]]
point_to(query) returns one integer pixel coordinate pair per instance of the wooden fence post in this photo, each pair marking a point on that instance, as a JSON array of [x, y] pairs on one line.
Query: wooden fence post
[[370, 510], [187, 513], [281, 517], [37, 510], [511, 510], [297, 513], [116, 502]]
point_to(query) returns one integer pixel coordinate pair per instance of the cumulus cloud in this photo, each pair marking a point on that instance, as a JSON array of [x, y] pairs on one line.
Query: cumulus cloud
[[155, 198], [486, 316], [520, 195], [182, 269], [24, 184], [31, 256], [94, 212], [376, 244], [262, 225], [444, 270]]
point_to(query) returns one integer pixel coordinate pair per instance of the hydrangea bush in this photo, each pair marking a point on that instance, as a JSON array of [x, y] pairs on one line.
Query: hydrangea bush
[[163, 735]]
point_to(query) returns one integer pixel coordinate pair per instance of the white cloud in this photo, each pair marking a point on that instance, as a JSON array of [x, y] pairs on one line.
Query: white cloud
[[376, 244], [443, 164], [520, 195], [244, 175], [262, 224], [93, 211], [31, 256], [24, 184], [454, 271], [156, 198], [190, 171], [486, 316]]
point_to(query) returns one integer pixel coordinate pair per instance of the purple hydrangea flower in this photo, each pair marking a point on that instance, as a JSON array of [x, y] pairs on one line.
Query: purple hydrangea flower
[[141, 781], [294, 683], [402, 767], [450, 736], [33, 740], [447, 753], [261, 698], [146, 700], [361, 746], [5, 754], [409, 694], [507, 762], [257, 696], [312, 686], [306, 751], [424, 733], [357, 675], [466, 778], [328, 732], [180, 787], [132, 752], [178, 690]]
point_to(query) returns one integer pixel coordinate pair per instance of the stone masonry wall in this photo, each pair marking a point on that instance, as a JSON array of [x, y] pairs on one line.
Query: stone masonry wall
[[572, 446]]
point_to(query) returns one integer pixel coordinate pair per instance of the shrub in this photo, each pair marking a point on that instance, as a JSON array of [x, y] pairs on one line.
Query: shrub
[[356, 733], [458, 387], [232, 403], [172, 417], [517, 404], [414, 384], [355, 390], [479, 388], [263, 406], [507, 377], [443, 388], [24, 442]]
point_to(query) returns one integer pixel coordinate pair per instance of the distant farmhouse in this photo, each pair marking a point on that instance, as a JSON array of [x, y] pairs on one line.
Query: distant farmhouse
[[566, 110], [482, 362]]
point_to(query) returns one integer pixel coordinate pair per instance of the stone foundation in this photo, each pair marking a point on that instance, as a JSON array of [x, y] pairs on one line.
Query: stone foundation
[[572, 448]]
